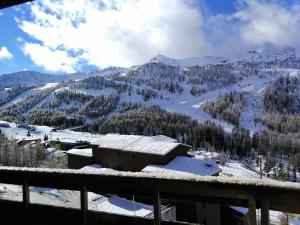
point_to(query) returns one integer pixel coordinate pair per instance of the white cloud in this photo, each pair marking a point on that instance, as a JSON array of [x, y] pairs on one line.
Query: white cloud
[[5, 54], [121, 32], [256, 24], [269, 23], [56, 60], [127, 32]]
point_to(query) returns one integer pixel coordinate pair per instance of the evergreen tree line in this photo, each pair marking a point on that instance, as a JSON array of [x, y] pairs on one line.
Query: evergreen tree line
[[282, 123], [78, 104], [196, 91], [155, 121], [283, 96], [53, 118], [16, 112], [147, 94], [214, 76], [13, 92], [227, 107], [99, 82], [158, 76]]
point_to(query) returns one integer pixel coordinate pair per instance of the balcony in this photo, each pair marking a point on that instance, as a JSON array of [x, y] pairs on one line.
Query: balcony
[[252, 194]]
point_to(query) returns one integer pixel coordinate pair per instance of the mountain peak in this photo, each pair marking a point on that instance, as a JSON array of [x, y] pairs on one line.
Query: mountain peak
[[165, 60]]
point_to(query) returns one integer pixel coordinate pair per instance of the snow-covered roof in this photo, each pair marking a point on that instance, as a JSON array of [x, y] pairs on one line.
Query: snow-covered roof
[[136, 143], [186, 166], [82, 152], [163, 138], [28, 139]]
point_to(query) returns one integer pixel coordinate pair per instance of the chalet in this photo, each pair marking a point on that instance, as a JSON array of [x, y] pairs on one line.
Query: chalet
[[67, 144], [78, 158], [134, 152], [25, 141], [27, 127], [127, 152]]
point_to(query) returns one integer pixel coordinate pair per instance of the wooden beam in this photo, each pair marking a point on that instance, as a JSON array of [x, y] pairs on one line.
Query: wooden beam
[[252, 211], [83, 205], [26, 201], [192, 188], [265, 211], [157, 208]]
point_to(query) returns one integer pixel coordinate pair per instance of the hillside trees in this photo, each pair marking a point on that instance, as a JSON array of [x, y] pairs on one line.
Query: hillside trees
[[15, 112], [13, 92], [283, 96], [214, 76], [228, 107], [155, 121]]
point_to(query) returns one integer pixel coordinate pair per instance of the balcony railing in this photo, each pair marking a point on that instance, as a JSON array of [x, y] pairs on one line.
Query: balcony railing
[[253, 194]]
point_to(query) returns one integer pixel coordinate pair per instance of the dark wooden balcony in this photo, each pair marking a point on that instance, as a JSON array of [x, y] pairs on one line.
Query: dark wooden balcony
[[252, 194]]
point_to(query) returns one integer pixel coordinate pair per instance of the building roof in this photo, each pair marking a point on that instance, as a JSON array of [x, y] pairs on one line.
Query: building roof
[[136, 143], [81, 152], [186, 166]]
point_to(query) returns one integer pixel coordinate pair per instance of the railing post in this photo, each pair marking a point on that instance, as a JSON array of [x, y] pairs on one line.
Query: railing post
[[252, 211], [83, 205], [26, 201], [265, 211], [157, 208]]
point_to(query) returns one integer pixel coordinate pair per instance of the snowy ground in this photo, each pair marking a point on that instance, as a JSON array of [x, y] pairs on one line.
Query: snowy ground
[[15, 132], [66, 198]]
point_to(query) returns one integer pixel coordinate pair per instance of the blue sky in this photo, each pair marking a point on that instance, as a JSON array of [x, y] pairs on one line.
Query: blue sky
[[46, 37]]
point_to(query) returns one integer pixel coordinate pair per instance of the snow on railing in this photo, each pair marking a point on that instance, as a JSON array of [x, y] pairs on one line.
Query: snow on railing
[[254, 193]]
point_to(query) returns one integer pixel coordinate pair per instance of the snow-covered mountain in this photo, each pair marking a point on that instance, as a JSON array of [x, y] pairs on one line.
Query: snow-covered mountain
[[33, 77], [189, 62], [30, 77], [176, 85], [276, 57]]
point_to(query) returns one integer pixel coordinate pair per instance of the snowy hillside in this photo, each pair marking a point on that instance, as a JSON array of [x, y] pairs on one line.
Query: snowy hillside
[[29, 77], [188, 62], [181, 86]]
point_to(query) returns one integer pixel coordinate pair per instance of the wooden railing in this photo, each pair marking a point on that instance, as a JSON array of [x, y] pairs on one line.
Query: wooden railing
[[280, 196]]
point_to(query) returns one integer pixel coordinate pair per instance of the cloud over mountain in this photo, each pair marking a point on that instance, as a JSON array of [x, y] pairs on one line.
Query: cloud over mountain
[[67, 33]]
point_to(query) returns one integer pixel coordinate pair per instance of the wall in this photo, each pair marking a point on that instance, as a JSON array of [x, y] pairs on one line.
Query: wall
[[77, 162]]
